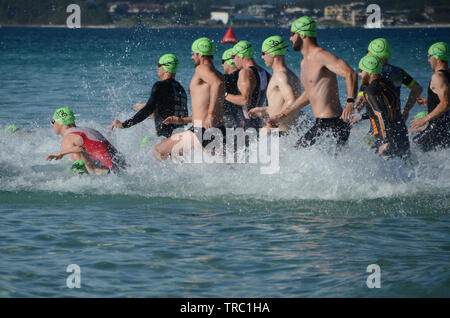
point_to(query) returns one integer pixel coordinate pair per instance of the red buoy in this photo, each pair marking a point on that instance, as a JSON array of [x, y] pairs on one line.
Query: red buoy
[[229, 37]]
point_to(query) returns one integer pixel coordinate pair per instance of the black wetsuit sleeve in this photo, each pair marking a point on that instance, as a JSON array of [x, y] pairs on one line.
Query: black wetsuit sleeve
[[158, 93], [407, 79]]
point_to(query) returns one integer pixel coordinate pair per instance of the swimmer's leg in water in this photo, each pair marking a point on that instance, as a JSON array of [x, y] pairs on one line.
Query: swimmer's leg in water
[[180, 144]]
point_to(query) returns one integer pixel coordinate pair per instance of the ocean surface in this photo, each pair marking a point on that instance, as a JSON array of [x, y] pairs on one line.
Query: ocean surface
[[205, 230]]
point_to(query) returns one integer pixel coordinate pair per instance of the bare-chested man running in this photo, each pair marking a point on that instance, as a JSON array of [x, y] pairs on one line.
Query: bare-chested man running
[[284, 86], [207, 95], [318, 76]]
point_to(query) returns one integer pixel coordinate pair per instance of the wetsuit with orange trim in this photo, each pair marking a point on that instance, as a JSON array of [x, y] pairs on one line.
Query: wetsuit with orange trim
[[388, 126], [397, 76]]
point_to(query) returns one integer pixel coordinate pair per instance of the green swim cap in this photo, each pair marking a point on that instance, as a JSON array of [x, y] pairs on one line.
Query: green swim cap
[[274, 45], [203, 46], [381, 48], [439, 51], [371, 64], [11, 129], [243, 49], [79, 167], [169, 63], [64, 116], [421, 114], [304, 26], [227, 56]]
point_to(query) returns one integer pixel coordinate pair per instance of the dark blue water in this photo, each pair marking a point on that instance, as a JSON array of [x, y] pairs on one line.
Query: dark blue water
[[203, 230]]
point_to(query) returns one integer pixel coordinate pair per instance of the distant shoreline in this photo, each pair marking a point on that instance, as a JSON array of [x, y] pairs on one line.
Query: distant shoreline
[[115, 26]]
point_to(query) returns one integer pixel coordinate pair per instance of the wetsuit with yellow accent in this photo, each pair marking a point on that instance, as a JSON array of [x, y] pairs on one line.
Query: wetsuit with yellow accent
[[388, 126], [437, 133]]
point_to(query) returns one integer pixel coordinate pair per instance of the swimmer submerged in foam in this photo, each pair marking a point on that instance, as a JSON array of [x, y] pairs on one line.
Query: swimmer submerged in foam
[[91, 152]]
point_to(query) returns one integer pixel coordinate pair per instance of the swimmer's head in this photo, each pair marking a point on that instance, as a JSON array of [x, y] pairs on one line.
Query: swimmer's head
[[369, 64], [303, 26], [169, 62], [438, 51], [274, 45], [203, 46], [11, 129], [243, 49], [380, 47], [64, 117], [227, 58], [421, 114]]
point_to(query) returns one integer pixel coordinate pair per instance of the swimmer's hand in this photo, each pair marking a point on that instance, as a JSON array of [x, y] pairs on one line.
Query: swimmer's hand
[[422, 101], [417, 123], [355, 120], [56, 156], [347, 112], [173, 120], [359, 104], [209, 121], [274, 121], [382, 149], [257, 112], [116, 123]]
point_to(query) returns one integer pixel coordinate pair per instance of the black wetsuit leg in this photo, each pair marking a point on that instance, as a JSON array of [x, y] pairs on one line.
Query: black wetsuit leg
[[335, 128]]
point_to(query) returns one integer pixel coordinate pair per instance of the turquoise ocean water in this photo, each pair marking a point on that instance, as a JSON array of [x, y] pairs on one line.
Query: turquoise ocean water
[[203, 230]]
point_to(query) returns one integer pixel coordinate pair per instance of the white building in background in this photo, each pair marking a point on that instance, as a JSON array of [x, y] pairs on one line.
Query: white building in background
[[220, 16]]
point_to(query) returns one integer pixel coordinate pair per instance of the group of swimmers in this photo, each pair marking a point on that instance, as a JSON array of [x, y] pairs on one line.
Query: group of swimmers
[[235, 99]]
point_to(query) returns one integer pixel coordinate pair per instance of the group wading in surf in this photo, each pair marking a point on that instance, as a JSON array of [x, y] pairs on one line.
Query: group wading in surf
[[247, 101]]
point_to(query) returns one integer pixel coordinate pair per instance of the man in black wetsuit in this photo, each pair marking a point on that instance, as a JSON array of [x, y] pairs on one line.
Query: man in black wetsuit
[[437, 133], [252, 84], [168, 98], [233, 116], [383, 109]]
